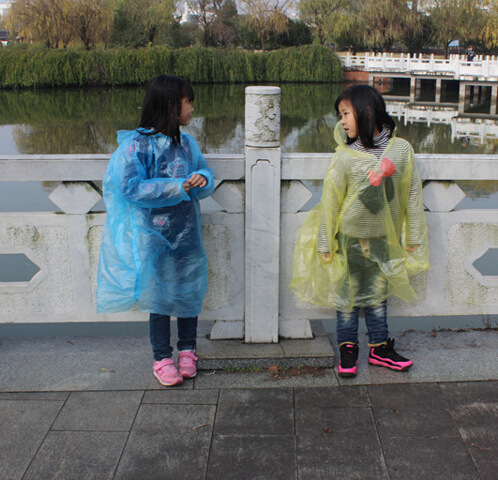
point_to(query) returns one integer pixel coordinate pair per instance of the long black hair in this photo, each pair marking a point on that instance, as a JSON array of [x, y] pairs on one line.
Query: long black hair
[[162, 105], [369, 109]]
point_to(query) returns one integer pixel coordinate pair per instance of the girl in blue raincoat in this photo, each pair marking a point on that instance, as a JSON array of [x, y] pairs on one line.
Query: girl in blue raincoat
[[152, 254]]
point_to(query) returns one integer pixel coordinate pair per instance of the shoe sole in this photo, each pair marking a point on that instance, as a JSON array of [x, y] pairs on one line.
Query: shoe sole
[[347, 374], [178, 382], [189, 376], [391, 366]]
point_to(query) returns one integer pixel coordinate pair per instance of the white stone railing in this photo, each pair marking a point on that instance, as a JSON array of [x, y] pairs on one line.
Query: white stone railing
[[249, 237], [456, 66]]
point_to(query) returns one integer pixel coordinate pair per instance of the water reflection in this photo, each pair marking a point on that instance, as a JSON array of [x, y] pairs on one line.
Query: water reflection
[[86, 120]]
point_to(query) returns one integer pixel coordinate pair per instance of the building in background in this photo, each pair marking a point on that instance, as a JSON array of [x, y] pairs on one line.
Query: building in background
[[4, 7]]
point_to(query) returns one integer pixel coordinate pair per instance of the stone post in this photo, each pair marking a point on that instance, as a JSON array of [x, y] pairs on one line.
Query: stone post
[[438, 90], [262, 241], [413, 85], [494, 97]]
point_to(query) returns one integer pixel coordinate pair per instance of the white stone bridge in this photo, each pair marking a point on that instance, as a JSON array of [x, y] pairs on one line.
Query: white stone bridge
[[477, 79], [249, 232]]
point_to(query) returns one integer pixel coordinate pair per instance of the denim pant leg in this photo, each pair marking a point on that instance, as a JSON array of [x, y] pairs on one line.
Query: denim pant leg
[[347, 326], [160, 336], [187, 333], [376, 320]]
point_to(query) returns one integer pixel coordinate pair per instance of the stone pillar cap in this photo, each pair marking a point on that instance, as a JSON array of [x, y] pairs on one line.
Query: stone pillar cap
[[262, 90]]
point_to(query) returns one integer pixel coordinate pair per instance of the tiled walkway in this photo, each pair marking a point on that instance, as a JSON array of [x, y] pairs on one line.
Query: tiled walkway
[[405, 431], [89, 409]]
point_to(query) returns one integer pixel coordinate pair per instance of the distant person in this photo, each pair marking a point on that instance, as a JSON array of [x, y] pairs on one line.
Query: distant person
[[152, 254], [358, 246], [470, 54]]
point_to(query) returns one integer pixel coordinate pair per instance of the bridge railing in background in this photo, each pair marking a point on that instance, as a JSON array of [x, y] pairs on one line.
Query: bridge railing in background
[[250, 227], [456, 66]]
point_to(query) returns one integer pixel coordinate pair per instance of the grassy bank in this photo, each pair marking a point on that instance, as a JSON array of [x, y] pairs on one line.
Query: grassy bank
[[37, 67]]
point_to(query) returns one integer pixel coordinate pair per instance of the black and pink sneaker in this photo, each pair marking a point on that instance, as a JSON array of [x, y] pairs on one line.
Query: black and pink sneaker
[[348, 364], [386, 356]]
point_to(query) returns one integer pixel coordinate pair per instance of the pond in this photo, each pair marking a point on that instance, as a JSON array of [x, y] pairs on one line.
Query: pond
[[85, 120]]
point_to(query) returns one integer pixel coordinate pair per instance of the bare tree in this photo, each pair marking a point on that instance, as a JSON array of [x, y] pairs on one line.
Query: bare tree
[[92, 20], [321, 16], [206, 13], [267, 16]]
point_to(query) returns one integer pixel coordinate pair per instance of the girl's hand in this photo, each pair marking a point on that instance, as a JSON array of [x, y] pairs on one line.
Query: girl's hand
[[326, 257], [186, 187], [411, 248], [197, 181]]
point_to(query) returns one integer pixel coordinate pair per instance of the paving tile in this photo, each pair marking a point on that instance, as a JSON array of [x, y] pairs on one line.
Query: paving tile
[[174, 420], [255, 412], [475, 410], [485, 459], [23, 426], [56, 396], [474, 406], [332, 397], [187, 397], [414, 410], [252, 457], [464, 393], [329, 442], [77, 456], [168, 442], [160, 457], [320, 421], [99, 411], [428, 459]]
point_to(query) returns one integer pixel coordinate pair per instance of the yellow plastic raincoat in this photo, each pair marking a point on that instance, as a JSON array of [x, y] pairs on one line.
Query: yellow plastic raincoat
[[371, 210]]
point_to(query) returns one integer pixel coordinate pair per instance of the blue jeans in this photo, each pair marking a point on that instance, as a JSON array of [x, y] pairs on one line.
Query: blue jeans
[[375, 319], [160, 335]]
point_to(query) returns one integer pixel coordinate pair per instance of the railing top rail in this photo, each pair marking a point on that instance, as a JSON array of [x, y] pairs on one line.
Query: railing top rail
[[295, 166], [312, 166], [91, 167]]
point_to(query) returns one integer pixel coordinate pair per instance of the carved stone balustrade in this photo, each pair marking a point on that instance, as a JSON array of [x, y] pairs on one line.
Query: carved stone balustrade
[[250, 227]]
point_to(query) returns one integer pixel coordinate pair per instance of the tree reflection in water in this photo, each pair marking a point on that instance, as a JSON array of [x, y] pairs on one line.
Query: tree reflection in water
[[86, 120]]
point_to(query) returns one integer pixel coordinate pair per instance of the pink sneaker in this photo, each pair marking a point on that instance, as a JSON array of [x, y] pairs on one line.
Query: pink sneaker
[[166, 373], [186, 363]]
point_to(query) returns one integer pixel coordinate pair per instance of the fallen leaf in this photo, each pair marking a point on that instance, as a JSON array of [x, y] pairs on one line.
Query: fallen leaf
[[201, 426], [478, 447], [107, 370], [326, 431]]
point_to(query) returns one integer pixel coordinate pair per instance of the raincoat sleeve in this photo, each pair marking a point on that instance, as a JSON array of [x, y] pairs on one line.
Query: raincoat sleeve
[[129, 171], [333, 194], [201, 169], [415, 225]]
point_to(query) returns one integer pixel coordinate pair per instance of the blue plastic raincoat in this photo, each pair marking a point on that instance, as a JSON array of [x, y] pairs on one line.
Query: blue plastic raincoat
[[370, 214], [152, 253]]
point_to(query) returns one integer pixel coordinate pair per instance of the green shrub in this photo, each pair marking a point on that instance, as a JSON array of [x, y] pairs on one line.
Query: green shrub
[[40, 67]]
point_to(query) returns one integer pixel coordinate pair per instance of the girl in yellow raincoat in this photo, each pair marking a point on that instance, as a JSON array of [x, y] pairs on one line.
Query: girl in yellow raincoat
[[358, 246]]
